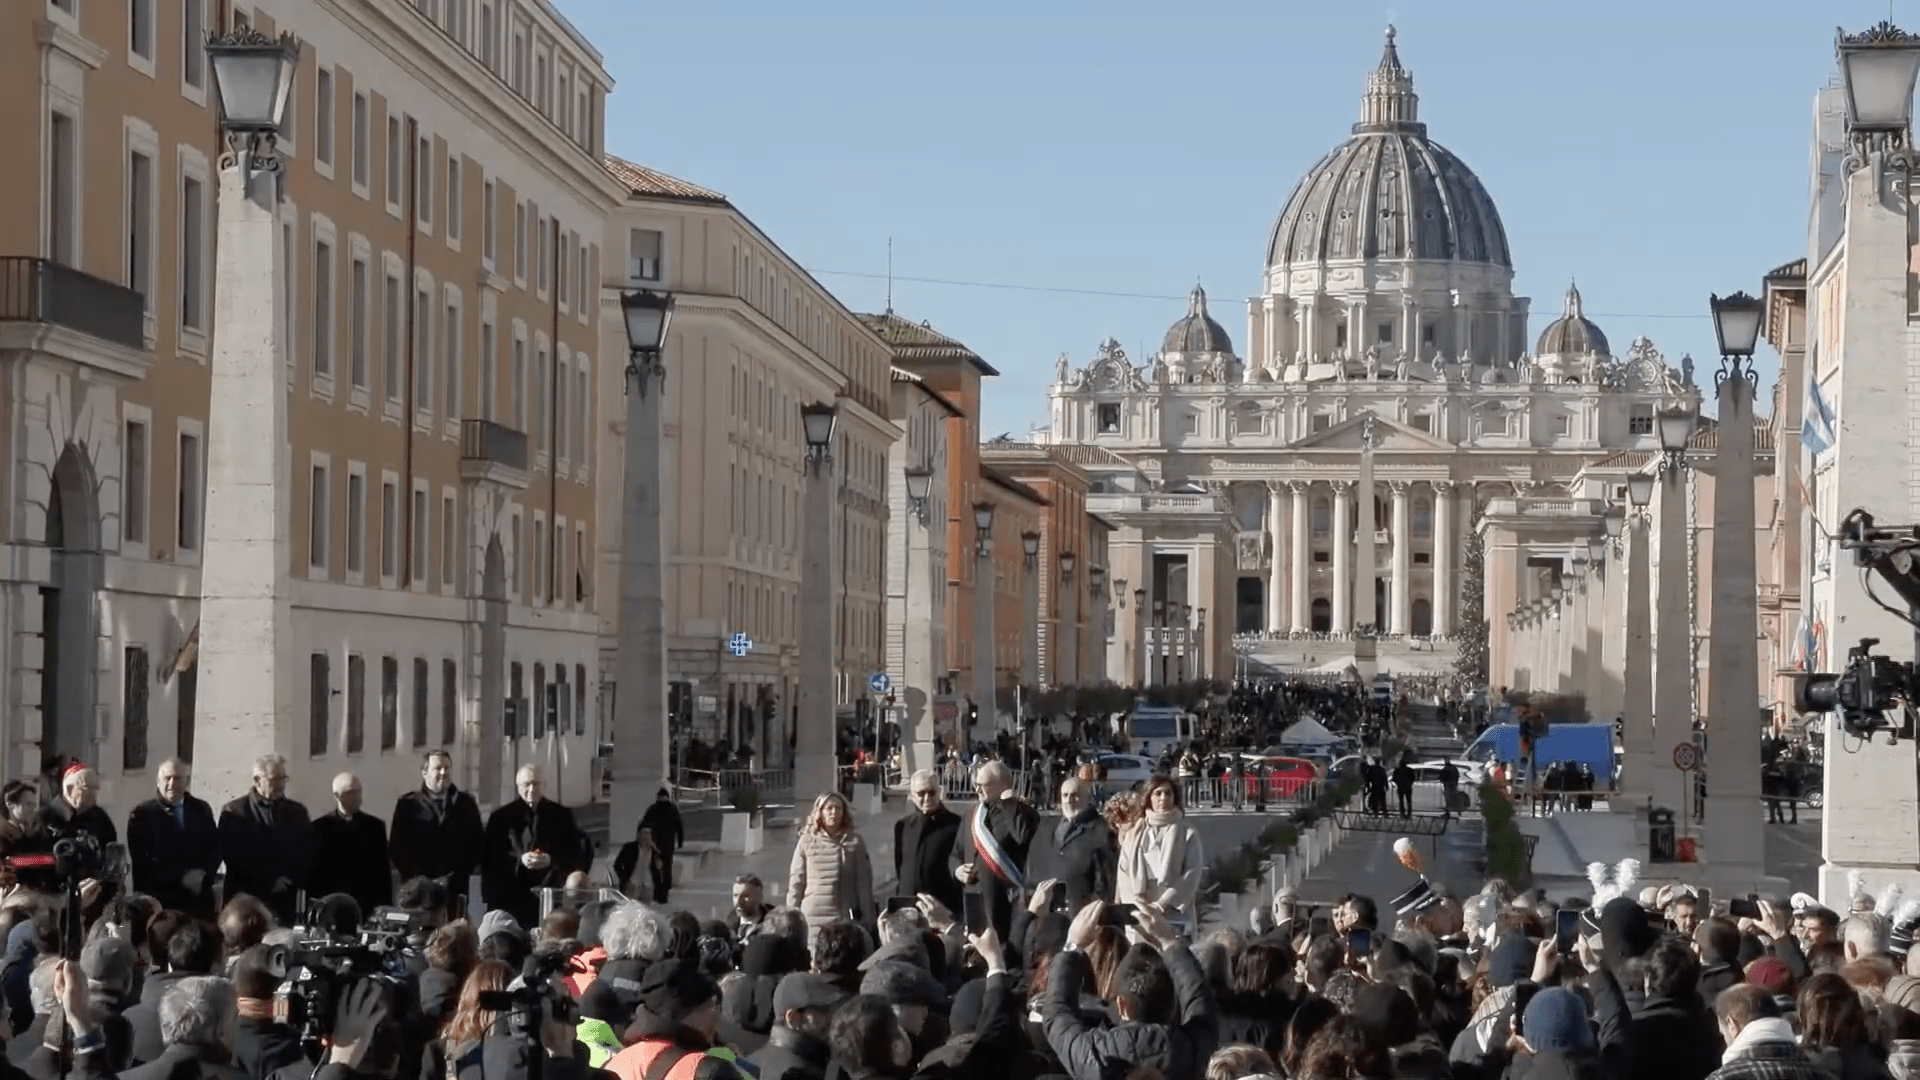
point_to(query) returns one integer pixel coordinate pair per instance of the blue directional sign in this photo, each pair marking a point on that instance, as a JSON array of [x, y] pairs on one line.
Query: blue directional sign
[[739, 644], [879, 683]]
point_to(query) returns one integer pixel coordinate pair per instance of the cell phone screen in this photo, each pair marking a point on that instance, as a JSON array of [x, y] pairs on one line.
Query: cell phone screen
[[1744, 909], [1566, 924], [976, 912], [1522, 997], [1359, 942], [901, 903], [1120, 915]]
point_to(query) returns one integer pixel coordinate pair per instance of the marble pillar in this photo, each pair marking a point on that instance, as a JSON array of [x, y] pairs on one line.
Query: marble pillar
[[1342, 556], [1735, 855], [1638, 762], [1276, 620], [1673, 641], [1365, 557], [1300, 557], [1445, 539], [1401, 595]]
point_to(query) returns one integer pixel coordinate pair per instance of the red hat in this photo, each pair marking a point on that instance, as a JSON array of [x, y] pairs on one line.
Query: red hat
[[1769, 973], [77, 766]]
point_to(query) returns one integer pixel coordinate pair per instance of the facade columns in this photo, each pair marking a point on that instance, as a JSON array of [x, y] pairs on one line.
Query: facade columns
[[1300, 558], [1402, 584], [1356, 320], [1445, 539], [1366, 611], [1343, 556], [1277, 566]]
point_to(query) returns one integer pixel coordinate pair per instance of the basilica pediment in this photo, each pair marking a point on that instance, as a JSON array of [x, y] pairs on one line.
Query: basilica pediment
[[1388, 436]]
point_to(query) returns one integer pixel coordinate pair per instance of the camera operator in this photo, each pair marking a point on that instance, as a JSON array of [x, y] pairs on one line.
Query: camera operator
[[78, 807], [174, 843], [437, 832], [268, 841], [362, 1041], [261, 1043], [353, 850]]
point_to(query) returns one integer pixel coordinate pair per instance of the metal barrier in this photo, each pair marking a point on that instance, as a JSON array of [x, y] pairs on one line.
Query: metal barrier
[[712, 786], [1432, 826], [575, 898]]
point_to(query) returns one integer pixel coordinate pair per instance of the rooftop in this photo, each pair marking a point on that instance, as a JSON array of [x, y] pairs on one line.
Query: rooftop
[[643, 182], [920, 341]]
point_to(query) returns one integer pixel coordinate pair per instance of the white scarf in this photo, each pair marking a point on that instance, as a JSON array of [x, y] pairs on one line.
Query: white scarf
[[1768, 1029]]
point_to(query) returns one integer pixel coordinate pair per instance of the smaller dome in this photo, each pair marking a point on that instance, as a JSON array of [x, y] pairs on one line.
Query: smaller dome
[[1572, 334], [1198, 332]]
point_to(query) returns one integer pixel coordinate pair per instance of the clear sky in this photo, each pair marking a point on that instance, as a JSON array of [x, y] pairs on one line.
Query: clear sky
[[1079, 164]]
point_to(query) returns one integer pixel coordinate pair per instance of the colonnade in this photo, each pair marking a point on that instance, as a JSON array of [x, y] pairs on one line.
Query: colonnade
[[1295, 580]]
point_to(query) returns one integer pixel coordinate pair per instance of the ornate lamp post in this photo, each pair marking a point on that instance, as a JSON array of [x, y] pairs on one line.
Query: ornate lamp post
[[817, 738], [918, 662], [1066, 651], [985, 680], [1733, 703], [1030, 641], [1097, 623], [1160, 620], [1183, 641], [1140, 669], [246, 641]]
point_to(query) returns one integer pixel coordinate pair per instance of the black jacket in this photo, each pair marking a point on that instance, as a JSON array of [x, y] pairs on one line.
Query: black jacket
[[262, 1046], [663, 820], [144, 1016], [1180, 1049], [92, 820], [1086, 860], [790, 1055], [175, 862], [353, 860], [512, 831], [440, 839], [267, 857], [922, 848], [1673, 1040], [182, 1062]]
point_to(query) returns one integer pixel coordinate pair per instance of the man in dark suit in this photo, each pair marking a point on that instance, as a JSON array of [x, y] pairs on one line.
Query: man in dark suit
[[1085, 853], [531, 843], [353, 851], [437, 832], [174, 844], [995, 864], [923, 844], [77, 808], [268, 841]]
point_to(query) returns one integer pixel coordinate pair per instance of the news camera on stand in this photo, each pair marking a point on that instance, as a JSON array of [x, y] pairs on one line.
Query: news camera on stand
[[76, 858], [1875, 693]]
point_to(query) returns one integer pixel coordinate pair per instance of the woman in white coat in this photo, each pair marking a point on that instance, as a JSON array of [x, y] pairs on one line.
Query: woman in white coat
[[831, 877], [1160, 856]]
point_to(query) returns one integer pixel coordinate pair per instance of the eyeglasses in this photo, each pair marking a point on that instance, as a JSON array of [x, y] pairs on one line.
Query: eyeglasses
[[921, 793]]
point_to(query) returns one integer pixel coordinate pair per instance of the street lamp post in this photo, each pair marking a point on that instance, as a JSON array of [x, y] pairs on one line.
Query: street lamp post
[[1200, 667], [1183, 640], [1160, 642], [1067, 646], [641, 761], [917, 659], [816, 738], [985, 680], [1097, 623], [1673, 629], [246, 640], [1140, 668], [1030, 641], [1733, 658]]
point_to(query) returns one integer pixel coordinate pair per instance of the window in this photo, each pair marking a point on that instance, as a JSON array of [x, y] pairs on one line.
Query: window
[[540, 582], [423, 175], [423, 350], [186, 697], [1190, 422], [489, 39], [563, 100], [538, 430], [545, 253], [356, 704], [317, 519], [389, 529], [1563, 425], [319, 701], [449, 540], [450, 363], [356, 523], [1108, 422], [323, 117], [133, 486], [323, 307], [487, 372], [289, 265], [193, 44], [453, 198], [1322, 519], [192, 488], [133, 708], [395, 147], [1340, 336], [540, 83], [421, 523], [361, 150], [564, 257], [562, 413], [513, 556], [1322, 422], [1641, 422], [579, 699], [1426, 334], [643, 254], [140, 29], [518, 78], [390, 345], [357, 365], [486, 221], [1383, 333], [140, 225], [580, 409], [519, 387], [580, 565], [449, 701], [1421, 422], [420, 689], [63, 207], [520, 242], [192, 253], [389, 702]]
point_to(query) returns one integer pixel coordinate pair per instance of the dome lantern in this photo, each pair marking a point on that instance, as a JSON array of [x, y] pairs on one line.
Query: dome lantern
[[1199, 333]]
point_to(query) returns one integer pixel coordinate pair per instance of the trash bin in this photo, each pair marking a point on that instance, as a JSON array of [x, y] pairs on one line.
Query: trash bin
[[1660, 836]]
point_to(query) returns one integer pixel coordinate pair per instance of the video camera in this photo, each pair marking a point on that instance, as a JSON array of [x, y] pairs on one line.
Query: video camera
[[1874, 694], [77, 856], [536, 996], [316, 971]]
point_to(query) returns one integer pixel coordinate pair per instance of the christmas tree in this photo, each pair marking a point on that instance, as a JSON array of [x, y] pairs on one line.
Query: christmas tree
[[1471, 667]]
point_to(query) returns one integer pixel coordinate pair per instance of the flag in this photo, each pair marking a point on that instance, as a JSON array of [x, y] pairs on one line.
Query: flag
[[1819, 431]]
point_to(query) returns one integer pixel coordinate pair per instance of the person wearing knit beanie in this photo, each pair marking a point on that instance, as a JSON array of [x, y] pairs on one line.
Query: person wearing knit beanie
[[1556, 1020], [1510, 961]]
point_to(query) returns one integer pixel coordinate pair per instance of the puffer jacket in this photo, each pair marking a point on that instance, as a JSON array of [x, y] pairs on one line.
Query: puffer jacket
[[831, 878]]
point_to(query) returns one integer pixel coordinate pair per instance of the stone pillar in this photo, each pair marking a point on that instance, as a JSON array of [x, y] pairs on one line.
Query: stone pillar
[[641, 752], [1277, 566], [1141, 613], [1300, 558], [985, 678], [248, 671], [1639, 764], [920, 668], [1306, 318], [1573, 614], [1735, 856], [1342, 556], [1356, 320], [816, 738], [1673, 644], [1445, 538], [1365, 560], [1402, 584]]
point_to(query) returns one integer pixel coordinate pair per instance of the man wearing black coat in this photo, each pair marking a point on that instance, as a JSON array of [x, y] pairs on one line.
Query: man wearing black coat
[[803, 1003], [662, 819], [531, 843], [1175, 1041], [1011, 824], [437, 832], [268, 841], [923, 843], [353, 851], [77, 809], [1086, 856], [174, 844]]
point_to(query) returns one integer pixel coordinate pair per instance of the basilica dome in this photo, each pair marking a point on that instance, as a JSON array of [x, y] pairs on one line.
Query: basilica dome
[[1389, 192], [1572, 334], [1198, 332]]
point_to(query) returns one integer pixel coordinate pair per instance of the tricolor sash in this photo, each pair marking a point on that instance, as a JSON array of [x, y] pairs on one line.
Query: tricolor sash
[[987, 846]]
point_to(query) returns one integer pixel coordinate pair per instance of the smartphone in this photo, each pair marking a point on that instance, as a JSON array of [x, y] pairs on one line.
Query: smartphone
[[1566, 924], [1748, 908], [1058, 902], [1702, 903], [901, 903], [1120, 915], [1522, 997], [975, 915], [1359, 943], [1319, 926]]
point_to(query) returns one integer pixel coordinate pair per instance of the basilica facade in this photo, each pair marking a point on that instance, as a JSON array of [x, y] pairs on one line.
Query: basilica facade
[[1322, 482]]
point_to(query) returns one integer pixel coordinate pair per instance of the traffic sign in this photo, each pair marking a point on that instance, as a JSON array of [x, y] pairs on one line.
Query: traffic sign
[[739, 644], [1686, 756], [879, 683]]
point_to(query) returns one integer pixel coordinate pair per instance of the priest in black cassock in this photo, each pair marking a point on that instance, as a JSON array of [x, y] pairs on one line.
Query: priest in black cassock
[[532, 843], [353, 851]]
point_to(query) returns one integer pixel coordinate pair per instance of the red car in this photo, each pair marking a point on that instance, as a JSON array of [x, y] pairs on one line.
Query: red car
[[1284, 776]]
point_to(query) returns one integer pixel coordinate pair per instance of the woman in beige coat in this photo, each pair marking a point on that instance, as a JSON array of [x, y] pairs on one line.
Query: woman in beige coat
[[831, 877], [1161, 860]]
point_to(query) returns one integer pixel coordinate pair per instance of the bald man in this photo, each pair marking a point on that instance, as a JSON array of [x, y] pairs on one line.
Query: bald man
[[532, 842], [353, 851], [990, 856]]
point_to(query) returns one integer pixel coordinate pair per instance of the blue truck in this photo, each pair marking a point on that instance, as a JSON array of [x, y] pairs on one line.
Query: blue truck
[[1588, 744]]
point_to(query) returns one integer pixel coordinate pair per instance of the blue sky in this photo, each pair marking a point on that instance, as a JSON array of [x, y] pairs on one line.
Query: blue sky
[[1655, 151]]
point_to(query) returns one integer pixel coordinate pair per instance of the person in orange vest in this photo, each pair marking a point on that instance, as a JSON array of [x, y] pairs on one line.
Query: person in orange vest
[[672, 1033]]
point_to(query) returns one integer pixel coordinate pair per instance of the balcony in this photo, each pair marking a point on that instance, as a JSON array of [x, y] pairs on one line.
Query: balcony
[[47, 307], [494, 453]]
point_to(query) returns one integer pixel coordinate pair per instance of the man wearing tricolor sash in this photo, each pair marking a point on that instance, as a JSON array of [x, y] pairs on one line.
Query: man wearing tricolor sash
[[990, 857]]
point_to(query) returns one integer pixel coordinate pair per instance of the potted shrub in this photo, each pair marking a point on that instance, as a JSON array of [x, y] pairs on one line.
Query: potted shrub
[[743, 829]]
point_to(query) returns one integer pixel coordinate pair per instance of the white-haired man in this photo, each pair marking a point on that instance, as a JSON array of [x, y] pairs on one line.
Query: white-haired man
[[353, 850], [174, 844], [923, 843], [532, 843], [268, 841], [78, 806], [990, 856]]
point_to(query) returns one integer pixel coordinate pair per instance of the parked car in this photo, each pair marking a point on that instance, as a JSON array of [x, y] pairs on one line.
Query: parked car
[[1283, 775]]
